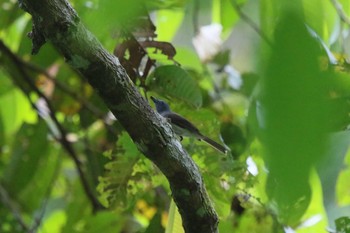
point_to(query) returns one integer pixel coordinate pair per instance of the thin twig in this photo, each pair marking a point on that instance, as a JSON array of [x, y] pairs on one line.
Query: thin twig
[[250, 22], [339, 8], [85, 103], [195, 16], [63, 138], [64, 88]]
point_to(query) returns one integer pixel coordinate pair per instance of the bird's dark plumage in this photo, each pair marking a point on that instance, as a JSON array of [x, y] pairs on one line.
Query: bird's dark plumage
[[183, 127]]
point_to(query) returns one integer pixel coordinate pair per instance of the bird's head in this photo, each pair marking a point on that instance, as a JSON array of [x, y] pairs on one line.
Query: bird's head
[[161, 106]]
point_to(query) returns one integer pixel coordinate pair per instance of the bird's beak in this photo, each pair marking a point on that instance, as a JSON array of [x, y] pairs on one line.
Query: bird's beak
[[154, 99]]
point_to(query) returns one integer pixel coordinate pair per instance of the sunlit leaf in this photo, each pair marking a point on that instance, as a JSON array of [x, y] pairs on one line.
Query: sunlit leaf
[[174, 224], [166, 18], [15, 110], [114, 186], [188, 59], [228, 16], [13, 35], [54, 222]]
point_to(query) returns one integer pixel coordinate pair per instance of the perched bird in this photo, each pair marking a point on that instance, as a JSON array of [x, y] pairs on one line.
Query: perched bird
[[183, 127]]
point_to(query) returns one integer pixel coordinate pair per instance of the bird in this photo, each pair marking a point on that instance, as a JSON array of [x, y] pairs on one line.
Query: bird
[[183, 127]]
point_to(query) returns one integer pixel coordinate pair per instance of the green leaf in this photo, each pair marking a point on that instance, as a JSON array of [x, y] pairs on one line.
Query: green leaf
[[294, 113], [114, 186], [2, 134], [5, 83], [172, 81], [189, 59], [166, 18], [13, 34], [54, 221], [15, 109], [343, 225], [102, 222], [174, 224], [26, 156], [9, 13], [234, 138], [269, 14], [228, 16], [250, 81], [32, 167]]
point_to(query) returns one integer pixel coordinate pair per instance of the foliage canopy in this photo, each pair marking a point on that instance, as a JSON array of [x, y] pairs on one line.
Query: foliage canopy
[[268, 78]]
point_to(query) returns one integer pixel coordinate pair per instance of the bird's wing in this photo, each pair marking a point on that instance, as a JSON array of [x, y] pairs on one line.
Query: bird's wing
[[181, 122]]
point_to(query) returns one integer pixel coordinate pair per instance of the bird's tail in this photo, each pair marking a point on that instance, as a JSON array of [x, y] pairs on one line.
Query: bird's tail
[[214, 144]]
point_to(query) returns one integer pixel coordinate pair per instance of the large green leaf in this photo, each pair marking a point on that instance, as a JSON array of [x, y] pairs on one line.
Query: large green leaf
[[28, 150], [15, 109], [12, 36], [174, 82], [294, 116], [32, 167], [166, 18], [225, 14]]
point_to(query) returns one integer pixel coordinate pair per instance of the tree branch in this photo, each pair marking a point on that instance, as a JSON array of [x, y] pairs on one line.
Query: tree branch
[[57, 22]]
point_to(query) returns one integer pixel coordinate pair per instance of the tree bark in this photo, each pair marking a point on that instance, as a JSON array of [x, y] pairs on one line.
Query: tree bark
[[55, 21]]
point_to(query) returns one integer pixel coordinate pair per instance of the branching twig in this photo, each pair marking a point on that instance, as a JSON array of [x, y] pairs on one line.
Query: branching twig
[[85, 103], [94, 110], [63, 134], [338, 7], [250, 22]]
